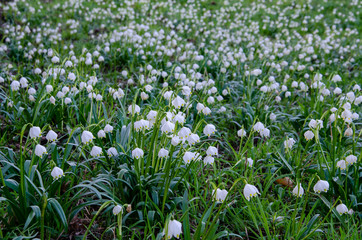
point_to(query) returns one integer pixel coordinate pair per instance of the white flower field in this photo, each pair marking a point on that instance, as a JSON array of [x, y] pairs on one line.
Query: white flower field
[[180, 119]]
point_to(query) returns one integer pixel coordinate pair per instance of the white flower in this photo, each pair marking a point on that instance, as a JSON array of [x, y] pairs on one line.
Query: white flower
[[200, 107], [321, 186], [184, 133], [273, 116], [55, 59], [117, 209], [341, 164], [167, 127], [341, 209], [258, 126], [174, 229], [250, 191], [40, 150], [209, 129], [206, 111], [211, 151], [250, 162], [178, 102], [137, 153], [351, 159], [134, 109], [15, 85], [112, 152], [67, 100], [209, 160], [151, 116], [52, 100], [193, 138], [188, 157], [57, 173], [96, 151], [49, 88], [108, 128], [87, 137], [31, 91], [348, 132], [336, 78], [51, 136], [308, 135], [175, 140], [35, 132], [265, 132], [101, 134], [288, 144], [241, 133], [23, 82], [315, 124], [298, 190], [144, 96], [163, 153], [219, 195]]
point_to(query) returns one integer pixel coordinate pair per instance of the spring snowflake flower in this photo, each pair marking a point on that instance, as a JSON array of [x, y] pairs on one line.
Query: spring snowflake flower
[[250, 191], [184, 133], [321, 186], [206, 111], [178, 102], [342, 164], [209, 129], [175, 140], [151, 116], [209, 160], [188, 157], [265, 132], [193, 138], [336, 78], [24, 82], [52, 100], [348, 132], [96, 151], [134, 109], [351, 159], [212, 151], [241, 133], [101, 134], [308, 135], [108, 128], [219, 195], [15, 85], [258, 126], [35, 132], [298, 190], [57, 173], [168, 127], [200, 107], [112, 152], [87, 137], [117, 210], [288, 144], [137, 153], [315, 124], [174, 229], [51, 136], [250, 162], [40, 150], [163, 153], [342, 209]]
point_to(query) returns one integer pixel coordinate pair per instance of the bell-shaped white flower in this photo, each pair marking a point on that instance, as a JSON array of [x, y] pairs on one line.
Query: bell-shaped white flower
[[250, 162], [137, 153], [342, 164], [35, 132], [87, 137], [288, 144], [308, 135], [174, 229], [118, 209], [209, 129], [178, 102], [211, 151], [15, 85], [188, 157], [163, 153], [265, 132], [175, 140], [241, 133], [57, 173], [134, 109], [258, 126], [101, 134], [209, 160], [342, 209], [51, 136], [250, 191], [108, 128], [112, 152], [184, 133], [298, 190], [40, 150], [193, 138], [168, 127], [321, 186], [351, 159], [96, 151], [219, 195]]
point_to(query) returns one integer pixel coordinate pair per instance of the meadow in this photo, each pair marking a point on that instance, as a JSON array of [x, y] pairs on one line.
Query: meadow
[[180, 119]]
